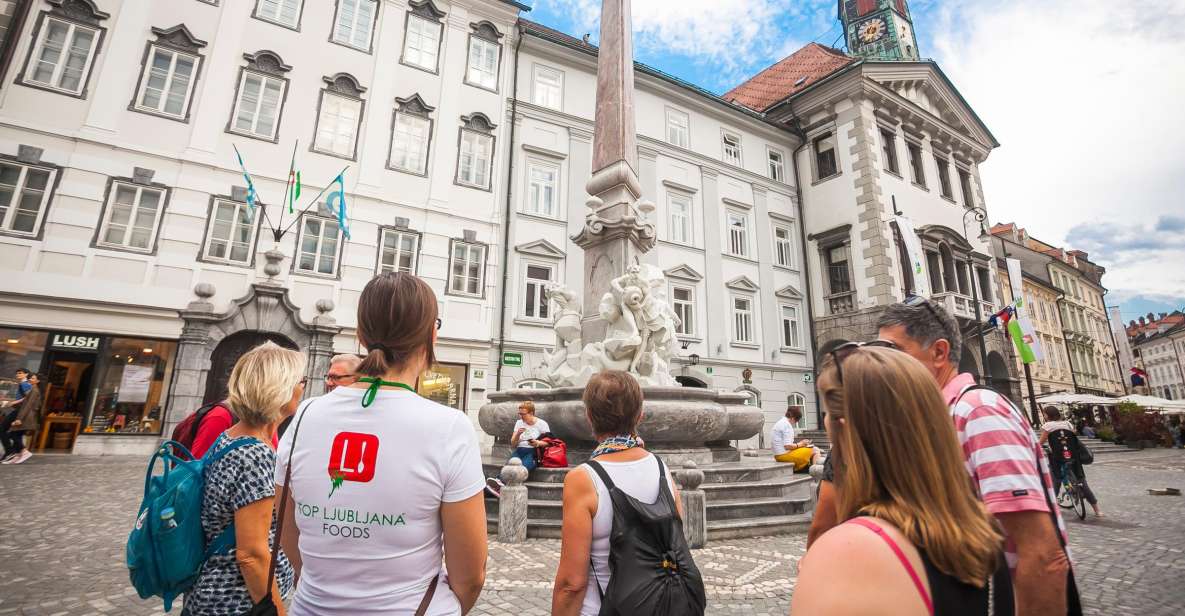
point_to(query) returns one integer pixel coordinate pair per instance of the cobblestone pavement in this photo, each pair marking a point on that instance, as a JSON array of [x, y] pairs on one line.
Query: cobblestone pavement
[[64, 520]]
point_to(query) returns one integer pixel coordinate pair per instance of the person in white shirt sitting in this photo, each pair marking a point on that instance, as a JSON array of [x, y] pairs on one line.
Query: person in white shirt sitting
[[786, 449], [525, 438]]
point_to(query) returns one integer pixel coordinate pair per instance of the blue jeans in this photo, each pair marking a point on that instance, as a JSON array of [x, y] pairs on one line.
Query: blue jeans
[[527, 455]]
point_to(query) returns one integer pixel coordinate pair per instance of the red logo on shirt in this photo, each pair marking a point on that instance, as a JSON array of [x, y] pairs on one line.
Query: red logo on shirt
[[353, 456]]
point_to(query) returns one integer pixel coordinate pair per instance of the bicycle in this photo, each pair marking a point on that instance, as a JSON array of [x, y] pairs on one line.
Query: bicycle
[[1071, 496]]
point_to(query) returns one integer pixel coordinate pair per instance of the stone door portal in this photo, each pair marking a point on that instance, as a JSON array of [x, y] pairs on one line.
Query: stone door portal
[[228, 352]]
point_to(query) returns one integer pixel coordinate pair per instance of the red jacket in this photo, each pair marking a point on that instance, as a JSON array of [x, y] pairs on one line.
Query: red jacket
[[217, 421]]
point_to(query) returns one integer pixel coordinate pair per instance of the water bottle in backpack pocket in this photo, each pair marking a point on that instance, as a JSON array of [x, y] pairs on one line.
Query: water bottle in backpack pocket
[[167, 545]]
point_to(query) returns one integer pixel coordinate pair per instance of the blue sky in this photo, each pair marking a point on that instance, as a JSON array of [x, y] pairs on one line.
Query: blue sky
[[1083, 96]]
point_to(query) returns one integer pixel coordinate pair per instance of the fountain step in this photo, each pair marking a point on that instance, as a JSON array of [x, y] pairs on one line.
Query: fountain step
[[722, 472], [744, 508], [719, 530], [796, 485]]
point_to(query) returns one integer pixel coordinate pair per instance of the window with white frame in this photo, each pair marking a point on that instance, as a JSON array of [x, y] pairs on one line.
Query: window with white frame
[[678, 128], [783, 246], [548, 87], [797, 400], [132, 217], [467, 275], [319, 241], [680, 209], [62, 55], [421, 43], [398, 251], [738, 233], [777, 165], [477, 152], [230, 236], [257, 112], [355, 21], [683, 303], [337, 124], [167, 84], [542, 188], [24, 197], [283, 12], [535, 303], [742, 320], [409, 142], [791, 327], [483, 61], [731, 144], [826, 164]]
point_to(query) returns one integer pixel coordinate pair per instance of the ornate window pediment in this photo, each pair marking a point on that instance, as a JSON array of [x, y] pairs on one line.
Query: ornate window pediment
[[486, 30], [414, 104], [789, 292], [540, 248], [479, 122], [684, 272], [345, 84], [179, 37], [427, 10], [935, 234], [742, 283], [266, 61], [85, 11]]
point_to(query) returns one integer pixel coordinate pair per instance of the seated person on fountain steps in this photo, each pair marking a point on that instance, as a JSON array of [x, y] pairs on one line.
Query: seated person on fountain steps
[[786, 449], [527, 431]]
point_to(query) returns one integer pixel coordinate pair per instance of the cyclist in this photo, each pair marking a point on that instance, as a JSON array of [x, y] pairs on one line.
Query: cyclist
[[1064, 463]]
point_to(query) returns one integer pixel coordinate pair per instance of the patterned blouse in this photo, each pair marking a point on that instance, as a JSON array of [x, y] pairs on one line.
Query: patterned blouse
[[241, 477]]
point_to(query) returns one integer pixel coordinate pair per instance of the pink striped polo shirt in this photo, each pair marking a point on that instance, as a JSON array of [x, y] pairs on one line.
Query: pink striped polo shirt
[[1001, 454]]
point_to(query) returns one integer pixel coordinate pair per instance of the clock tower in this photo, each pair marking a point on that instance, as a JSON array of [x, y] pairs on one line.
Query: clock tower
[[879, 29]]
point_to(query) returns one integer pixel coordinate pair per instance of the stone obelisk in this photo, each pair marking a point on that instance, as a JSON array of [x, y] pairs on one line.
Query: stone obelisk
[[616, 231]]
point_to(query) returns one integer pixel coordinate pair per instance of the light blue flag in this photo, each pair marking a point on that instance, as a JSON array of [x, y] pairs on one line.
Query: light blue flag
[[251, 195], [337, 204]]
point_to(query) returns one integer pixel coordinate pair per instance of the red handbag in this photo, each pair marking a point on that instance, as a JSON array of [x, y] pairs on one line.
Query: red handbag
[[553, 453]]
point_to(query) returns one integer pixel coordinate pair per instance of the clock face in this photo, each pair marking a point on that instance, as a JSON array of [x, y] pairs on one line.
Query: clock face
[[872, 30]]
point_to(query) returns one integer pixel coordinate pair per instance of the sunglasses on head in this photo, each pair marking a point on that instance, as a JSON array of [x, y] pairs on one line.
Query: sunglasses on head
[[839, 353], [913, 301]]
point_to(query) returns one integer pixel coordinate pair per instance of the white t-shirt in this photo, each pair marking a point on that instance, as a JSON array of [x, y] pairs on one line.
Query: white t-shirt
[[639, 479], [368, 485], [531, 432], [781, 437]]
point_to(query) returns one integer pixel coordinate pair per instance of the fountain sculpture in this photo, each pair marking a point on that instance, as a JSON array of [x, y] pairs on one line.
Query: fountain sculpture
[[623, 321]]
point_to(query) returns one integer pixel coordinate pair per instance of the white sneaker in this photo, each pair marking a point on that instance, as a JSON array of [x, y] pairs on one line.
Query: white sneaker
[[22, 457], [11, 456]]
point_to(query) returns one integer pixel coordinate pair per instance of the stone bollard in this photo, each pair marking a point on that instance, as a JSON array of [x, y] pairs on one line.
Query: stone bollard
[[816, 472], [695, 512], [512, 507]]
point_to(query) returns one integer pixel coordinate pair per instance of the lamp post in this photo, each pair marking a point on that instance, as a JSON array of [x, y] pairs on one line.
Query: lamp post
[[984, 236]]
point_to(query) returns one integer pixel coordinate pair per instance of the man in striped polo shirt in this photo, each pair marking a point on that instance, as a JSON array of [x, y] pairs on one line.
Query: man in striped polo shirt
[[1003, 457]]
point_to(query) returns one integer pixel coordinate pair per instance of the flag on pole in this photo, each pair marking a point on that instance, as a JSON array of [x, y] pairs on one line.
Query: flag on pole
[[339, 196], [251, 194], [917, 258], [1021, 312], [293, 189], [1012, 324]]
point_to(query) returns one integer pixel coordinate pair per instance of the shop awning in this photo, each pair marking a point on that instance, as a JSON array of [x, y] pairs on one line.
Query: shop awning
[[1168, 407], [1068, 398]]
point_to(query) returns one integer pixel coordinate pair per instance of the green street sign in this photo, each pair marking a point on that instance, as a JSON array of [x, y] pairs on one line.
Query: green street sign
[[708, 370], [512, 359]]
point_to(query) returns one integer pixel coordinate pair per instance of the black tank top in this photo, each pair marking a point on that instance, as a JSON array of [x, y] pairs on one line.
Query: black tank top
[[951, 597]]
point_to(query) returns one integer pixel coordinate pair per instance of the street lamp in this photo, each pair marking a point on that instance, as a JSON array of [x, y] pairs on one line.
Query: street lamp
[[980, 216]]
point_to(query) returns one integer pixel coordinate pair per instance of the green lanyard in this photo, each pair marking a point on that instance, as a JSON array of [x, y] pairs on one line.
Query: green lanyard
[[375, 384]]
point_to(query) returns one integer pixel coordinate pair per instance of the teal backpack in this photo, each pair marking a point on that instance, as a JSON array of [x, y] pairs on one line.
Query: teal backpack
[[167, 546]]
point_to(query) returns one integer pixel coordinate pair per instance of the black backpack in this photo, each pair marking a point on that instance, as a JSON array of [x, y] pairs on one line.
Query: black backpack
[[650, 566]]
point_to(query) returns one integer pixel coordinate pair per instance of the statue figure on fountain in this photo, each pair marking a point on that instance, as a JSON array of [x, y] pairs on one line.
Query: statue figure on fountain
[[641, 330]]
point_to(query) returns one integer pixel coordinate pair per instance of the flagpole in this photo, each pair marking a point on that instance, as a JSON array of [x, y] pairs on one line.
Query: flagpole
[[287, 187], [1032, 396], [314, 201]]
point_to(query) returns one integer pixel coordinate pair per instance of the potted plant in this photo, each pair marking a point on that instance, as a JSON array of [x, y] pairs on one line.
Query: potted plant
[[1139, 428]]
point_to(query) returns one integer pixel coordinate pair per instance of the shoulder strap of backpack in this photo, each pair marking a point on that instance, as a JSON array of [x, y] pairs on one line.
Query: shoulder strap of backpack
[[198, 416], [600, 470], [225, 540]]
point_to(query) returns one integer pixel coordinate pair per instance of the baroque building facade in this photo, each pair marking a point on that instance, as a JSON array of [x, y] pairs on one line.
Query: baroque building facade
[[1051, 373]]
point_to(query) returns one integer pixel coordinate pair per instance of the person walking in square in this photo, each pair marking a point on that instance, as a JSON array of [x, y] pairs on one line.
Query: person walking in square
[[913, 539], [24, 423], [1007, 465], [785, 449]]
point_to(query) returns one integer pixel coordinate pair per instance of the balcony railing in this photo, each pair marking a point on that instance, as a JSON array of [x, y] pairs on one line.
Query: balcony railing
[[962, 306], [839, 303]]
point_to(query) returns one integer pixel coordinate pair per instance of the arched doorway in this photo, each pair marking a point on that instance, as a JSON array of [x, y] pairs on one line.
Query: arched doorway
[[228, 351], [998, 368], [967, 362], [690, 381]]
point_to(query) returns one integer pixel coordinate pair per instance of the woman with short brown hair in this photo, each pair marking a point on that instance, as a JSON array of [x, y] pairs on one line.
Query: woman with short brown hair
[[916, 539], [389, 484]]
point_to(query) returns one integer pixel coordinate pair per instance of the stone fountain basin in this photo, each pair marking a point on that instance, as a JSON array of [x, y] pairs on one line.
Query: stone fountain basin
[[692, 422]]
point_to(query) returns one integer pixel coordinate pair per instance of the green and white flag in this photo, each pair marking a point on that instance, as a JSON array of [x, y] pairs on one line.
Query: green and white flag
[[1020, 327]]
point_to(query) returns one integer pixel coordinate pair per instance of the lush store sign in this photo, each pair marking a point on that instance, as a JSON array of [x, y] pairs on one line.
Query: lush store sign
[[75, 342]]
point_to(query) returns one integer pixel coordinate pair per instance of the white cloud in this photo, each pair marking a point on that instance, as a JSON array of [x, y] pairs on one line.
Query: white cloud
[[1085, 98], [731, 36]]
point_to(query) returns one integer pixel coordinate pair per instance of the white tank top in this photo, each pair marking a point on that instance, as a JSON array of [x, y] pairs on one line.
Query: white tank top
[[639, 479]]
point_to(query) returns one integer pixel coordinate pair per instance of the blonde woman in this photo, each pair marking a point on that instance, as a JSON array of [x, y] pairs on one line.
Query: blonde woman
[[265, 387], [916, 540]]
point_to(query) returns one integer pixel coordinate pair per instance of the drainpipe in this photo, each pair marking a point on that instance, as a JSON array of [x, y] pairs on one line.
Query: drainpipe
[[796, 128], [518, 25], [15, 29]]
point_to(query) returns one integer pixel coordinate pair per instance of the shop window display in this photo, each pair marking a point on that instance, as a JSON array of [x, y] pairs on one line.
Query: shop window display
[[131, 386], [445, 384], [18, 349]]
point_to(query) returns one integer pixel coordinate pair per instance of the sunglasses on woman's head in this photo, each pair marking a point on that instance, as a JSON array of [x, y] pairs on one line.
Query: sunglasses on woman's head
[[839, 353]]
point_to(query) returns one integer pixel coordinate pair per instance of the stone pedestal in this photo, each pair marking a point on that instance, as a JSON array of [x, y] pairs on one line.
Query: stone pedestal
[[695, 505], [512, 507]]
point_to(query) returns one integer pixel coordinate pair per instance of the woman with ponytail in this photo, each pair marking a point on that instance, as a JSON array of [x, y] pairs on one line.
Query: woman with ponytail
[[385, 484]]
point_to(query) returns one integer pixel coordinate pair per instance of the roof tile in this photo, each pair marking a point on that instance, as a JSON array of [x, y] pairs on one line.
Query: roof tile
[[791, 75]]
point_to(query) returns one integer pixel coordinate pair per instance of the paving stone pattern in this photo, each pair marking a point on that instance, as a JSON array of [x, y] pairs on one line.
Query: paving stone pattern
[[64, 520]]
